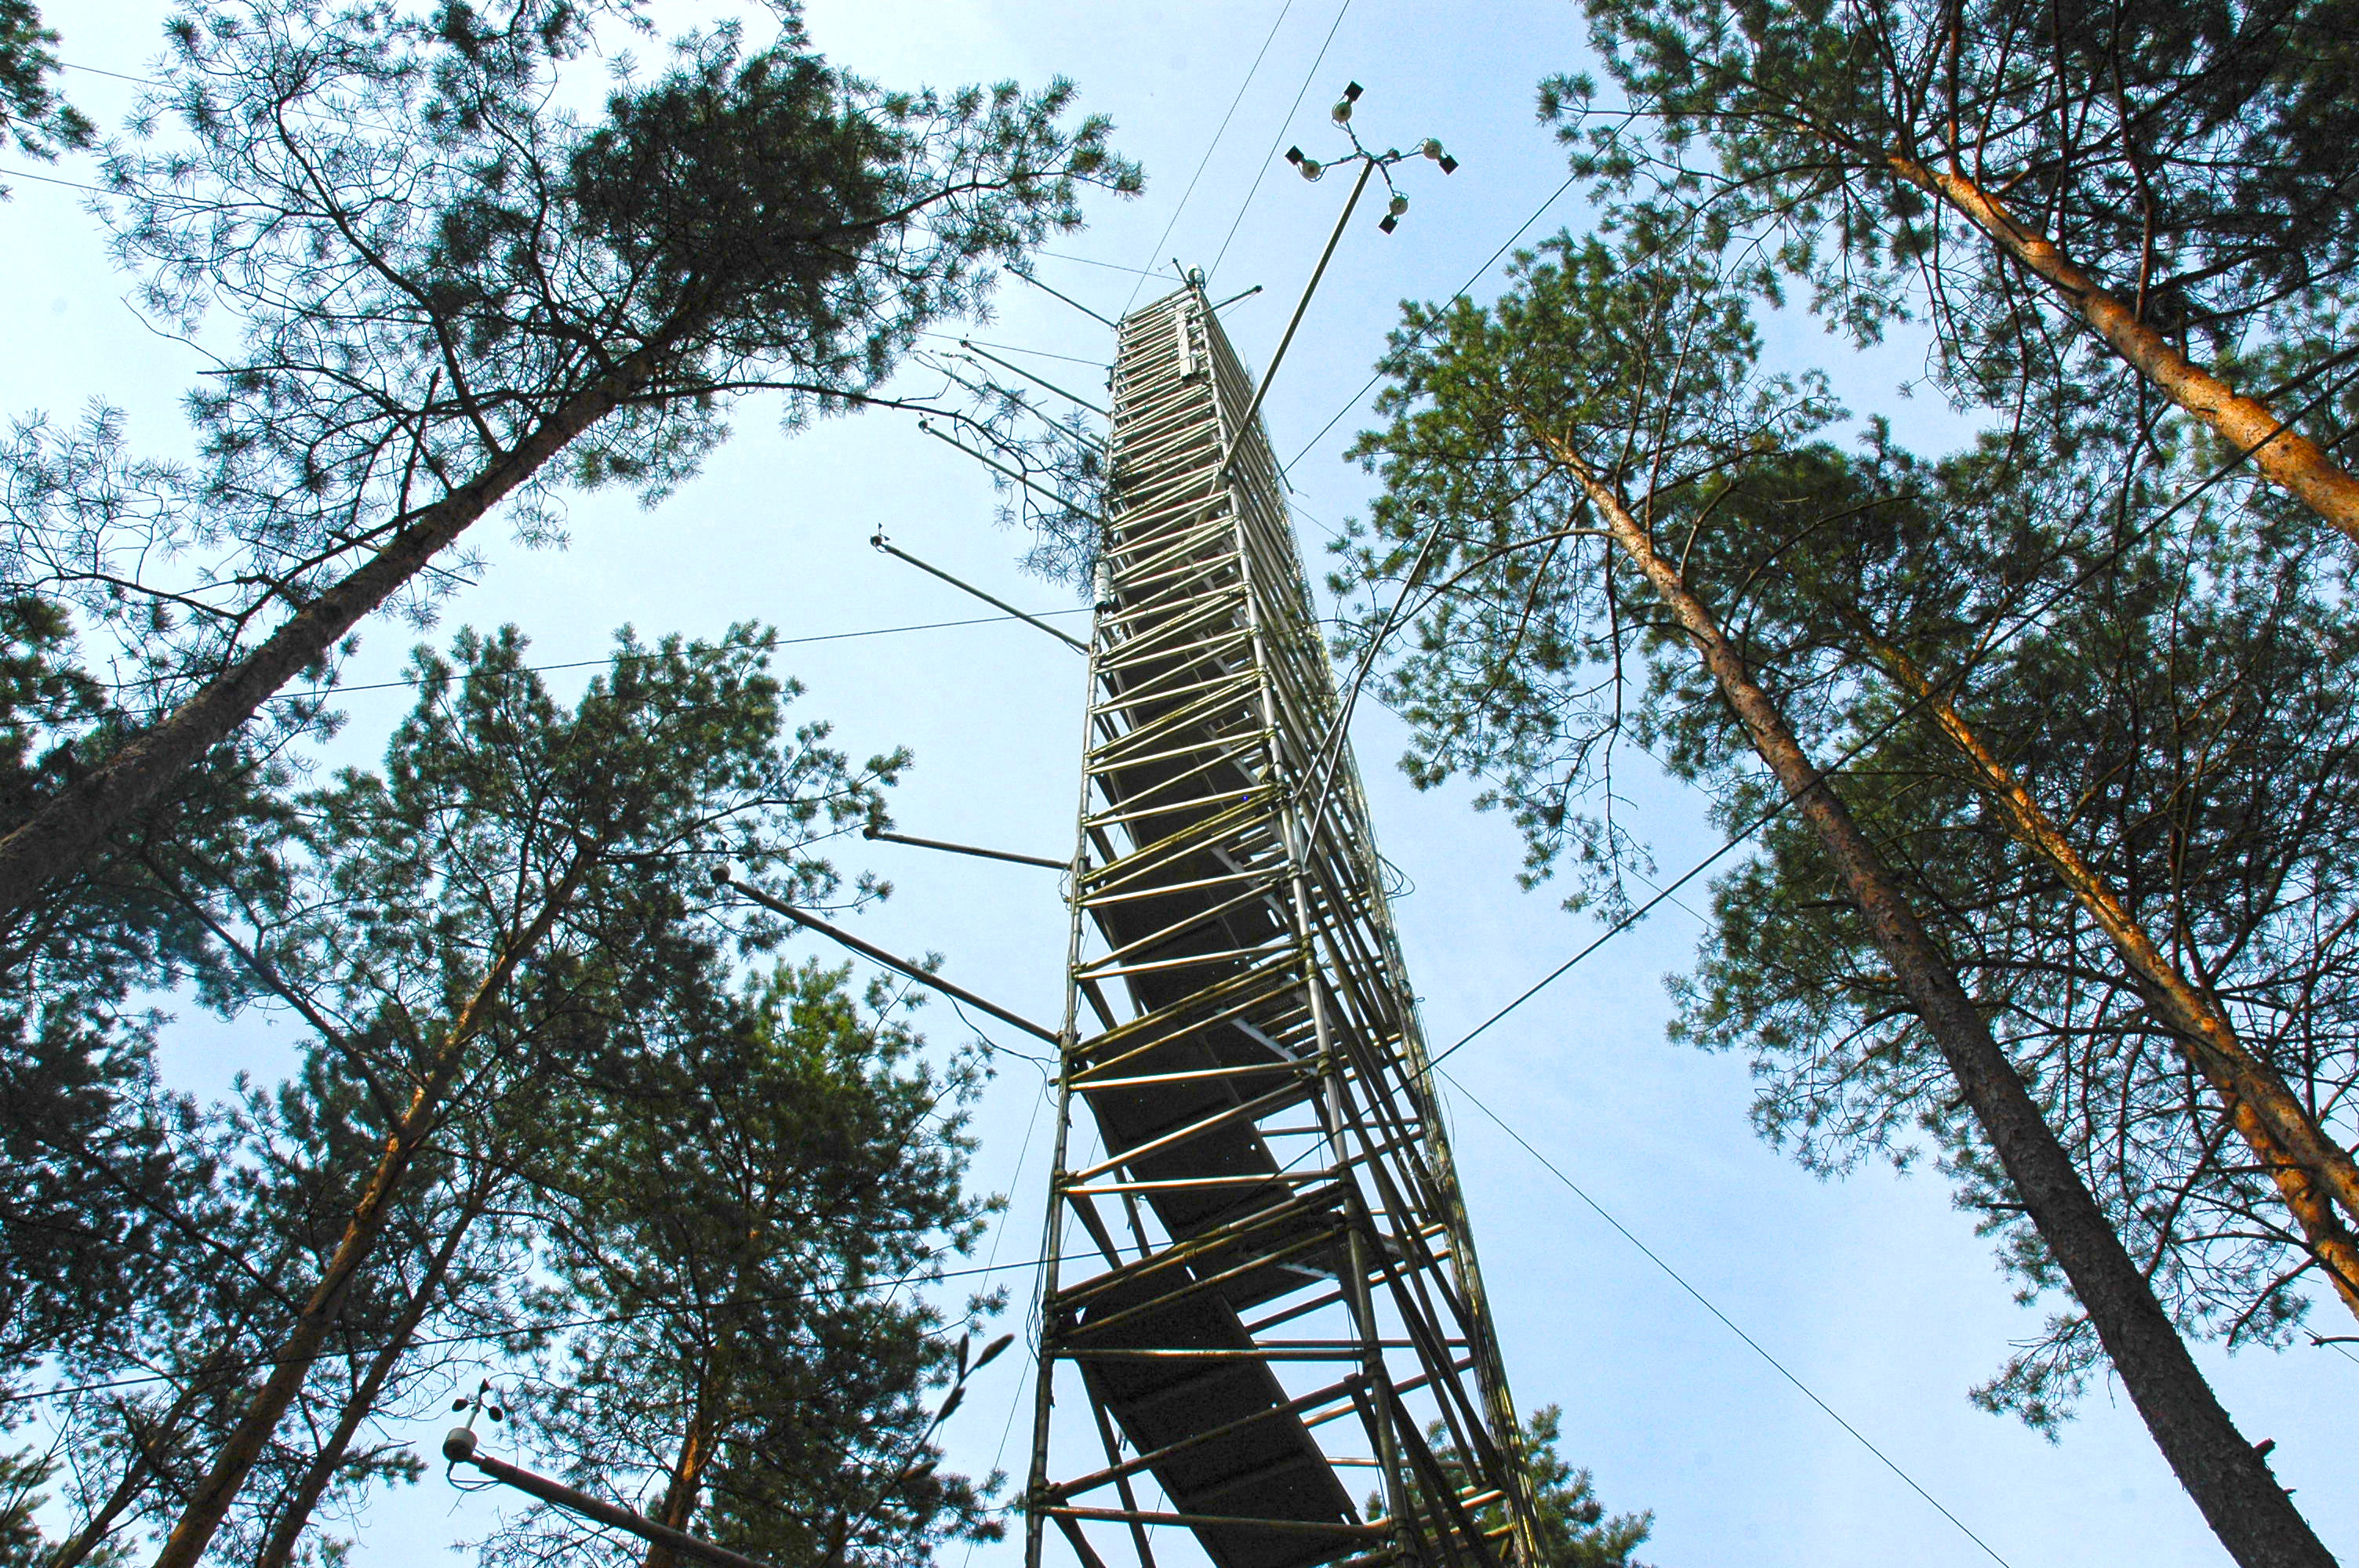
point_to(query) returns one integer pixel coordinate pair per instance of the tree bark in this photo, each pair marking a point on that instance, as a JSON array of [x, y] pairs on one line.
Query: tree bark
[[101, 1521], [69, 826], [2231, 1483], [143, 1450], [296, 1515], [679, 1498], [2304, 1163], [292, 1362], [2284, 455]]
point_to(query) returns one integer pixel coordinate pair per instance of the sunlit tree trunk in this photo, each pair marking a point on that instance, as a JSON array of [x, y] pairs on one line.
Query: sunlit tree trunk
[[696, 1449], [291, 1360], [2251, 1514], [362, 1402], [2305, 1163], [2282, 454]]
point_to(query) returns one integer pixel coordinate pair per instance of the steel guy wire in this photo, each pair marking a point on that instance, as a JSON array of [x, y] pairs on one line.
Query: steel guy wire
[[94, 70], [1087, 261], [1261, 170], [1201, 164], [487, 1335], [766, 645], [1726, 1321], [1013, 349], [999, 1233]]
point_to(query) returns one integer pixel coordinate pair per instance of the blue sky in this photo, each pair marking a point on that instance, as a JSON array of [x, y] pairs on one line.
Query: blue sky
[[1873, 1291]]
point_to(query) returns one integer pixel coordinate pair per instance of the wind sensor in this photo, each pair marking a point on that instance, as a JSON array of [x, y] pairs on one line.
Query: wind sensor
[[1382, 163]]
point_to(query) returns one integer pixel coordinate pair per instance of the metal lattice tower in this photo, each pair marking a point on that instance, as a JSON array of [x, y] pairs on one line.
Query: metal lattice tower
[[1272, 1295]]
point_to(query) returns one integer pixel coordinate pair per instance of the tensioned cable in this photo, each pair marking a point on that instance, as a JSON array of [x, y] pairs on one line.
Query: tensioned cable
[[1471, 282], [94, 70], [1851, 755], [1013, 349], [489, 1334], [1201, 164], [1015, 1405], [766, 645], [77, 185], [1086, 261], [1726, 1321], [1262, 169]]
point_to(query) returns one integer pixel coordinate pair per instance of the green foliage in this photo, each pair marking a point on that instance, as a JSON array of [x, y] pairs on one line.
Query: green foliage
[[33, 118], [2181, 707], [2169, 679], [21, 1477], [753, 1363], [116, 1212], [418, 269], [430, 286], [1571, 1528], [578, 835], [85, 1134], [2191, 155], [1639, 355]]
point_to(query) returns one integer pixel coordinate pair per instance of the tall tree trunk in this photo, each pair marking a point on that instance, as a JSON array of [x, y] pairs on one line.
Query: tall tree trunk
[[146, 1454], [2284, 455], [296, 1515], [681, 1498], [103, 1519], [2231, 1484], [71, 825], [291, 1363], [2305, 1163]]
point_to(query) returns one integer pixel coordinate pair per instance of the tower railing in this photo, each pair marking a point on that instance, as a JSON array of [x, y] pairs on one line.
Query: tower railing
[[1263, 1338]]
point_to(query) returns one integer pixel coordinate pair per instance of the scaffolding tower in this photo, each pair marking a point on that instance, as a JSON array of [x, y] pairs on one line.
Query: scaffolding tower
[[1260, 1288]]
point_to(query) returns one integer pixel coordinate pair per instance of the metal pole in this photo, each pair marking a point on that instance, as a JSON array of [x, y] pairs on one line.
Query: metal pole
[[869, 950], [1066, 297], [881, 543], [1044, 1398], [996, 467], [459, 1448], [1367, 168], [890, 838], [1028, 375]]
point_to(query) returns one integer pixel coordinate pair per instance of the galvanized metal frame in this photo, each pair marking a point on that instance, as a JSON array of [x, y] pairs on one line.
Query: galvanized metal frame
[[1276, 1286]]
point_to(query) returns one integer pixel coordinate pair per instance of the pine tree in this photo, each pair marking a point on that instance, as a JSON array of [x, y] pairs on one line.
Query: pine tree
[[1552, 461], [450, 294], [757, 1366], [109, 1185], [521, 893], [33, 118], [1570, 1525], [2145, 205], [2113, 764]]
